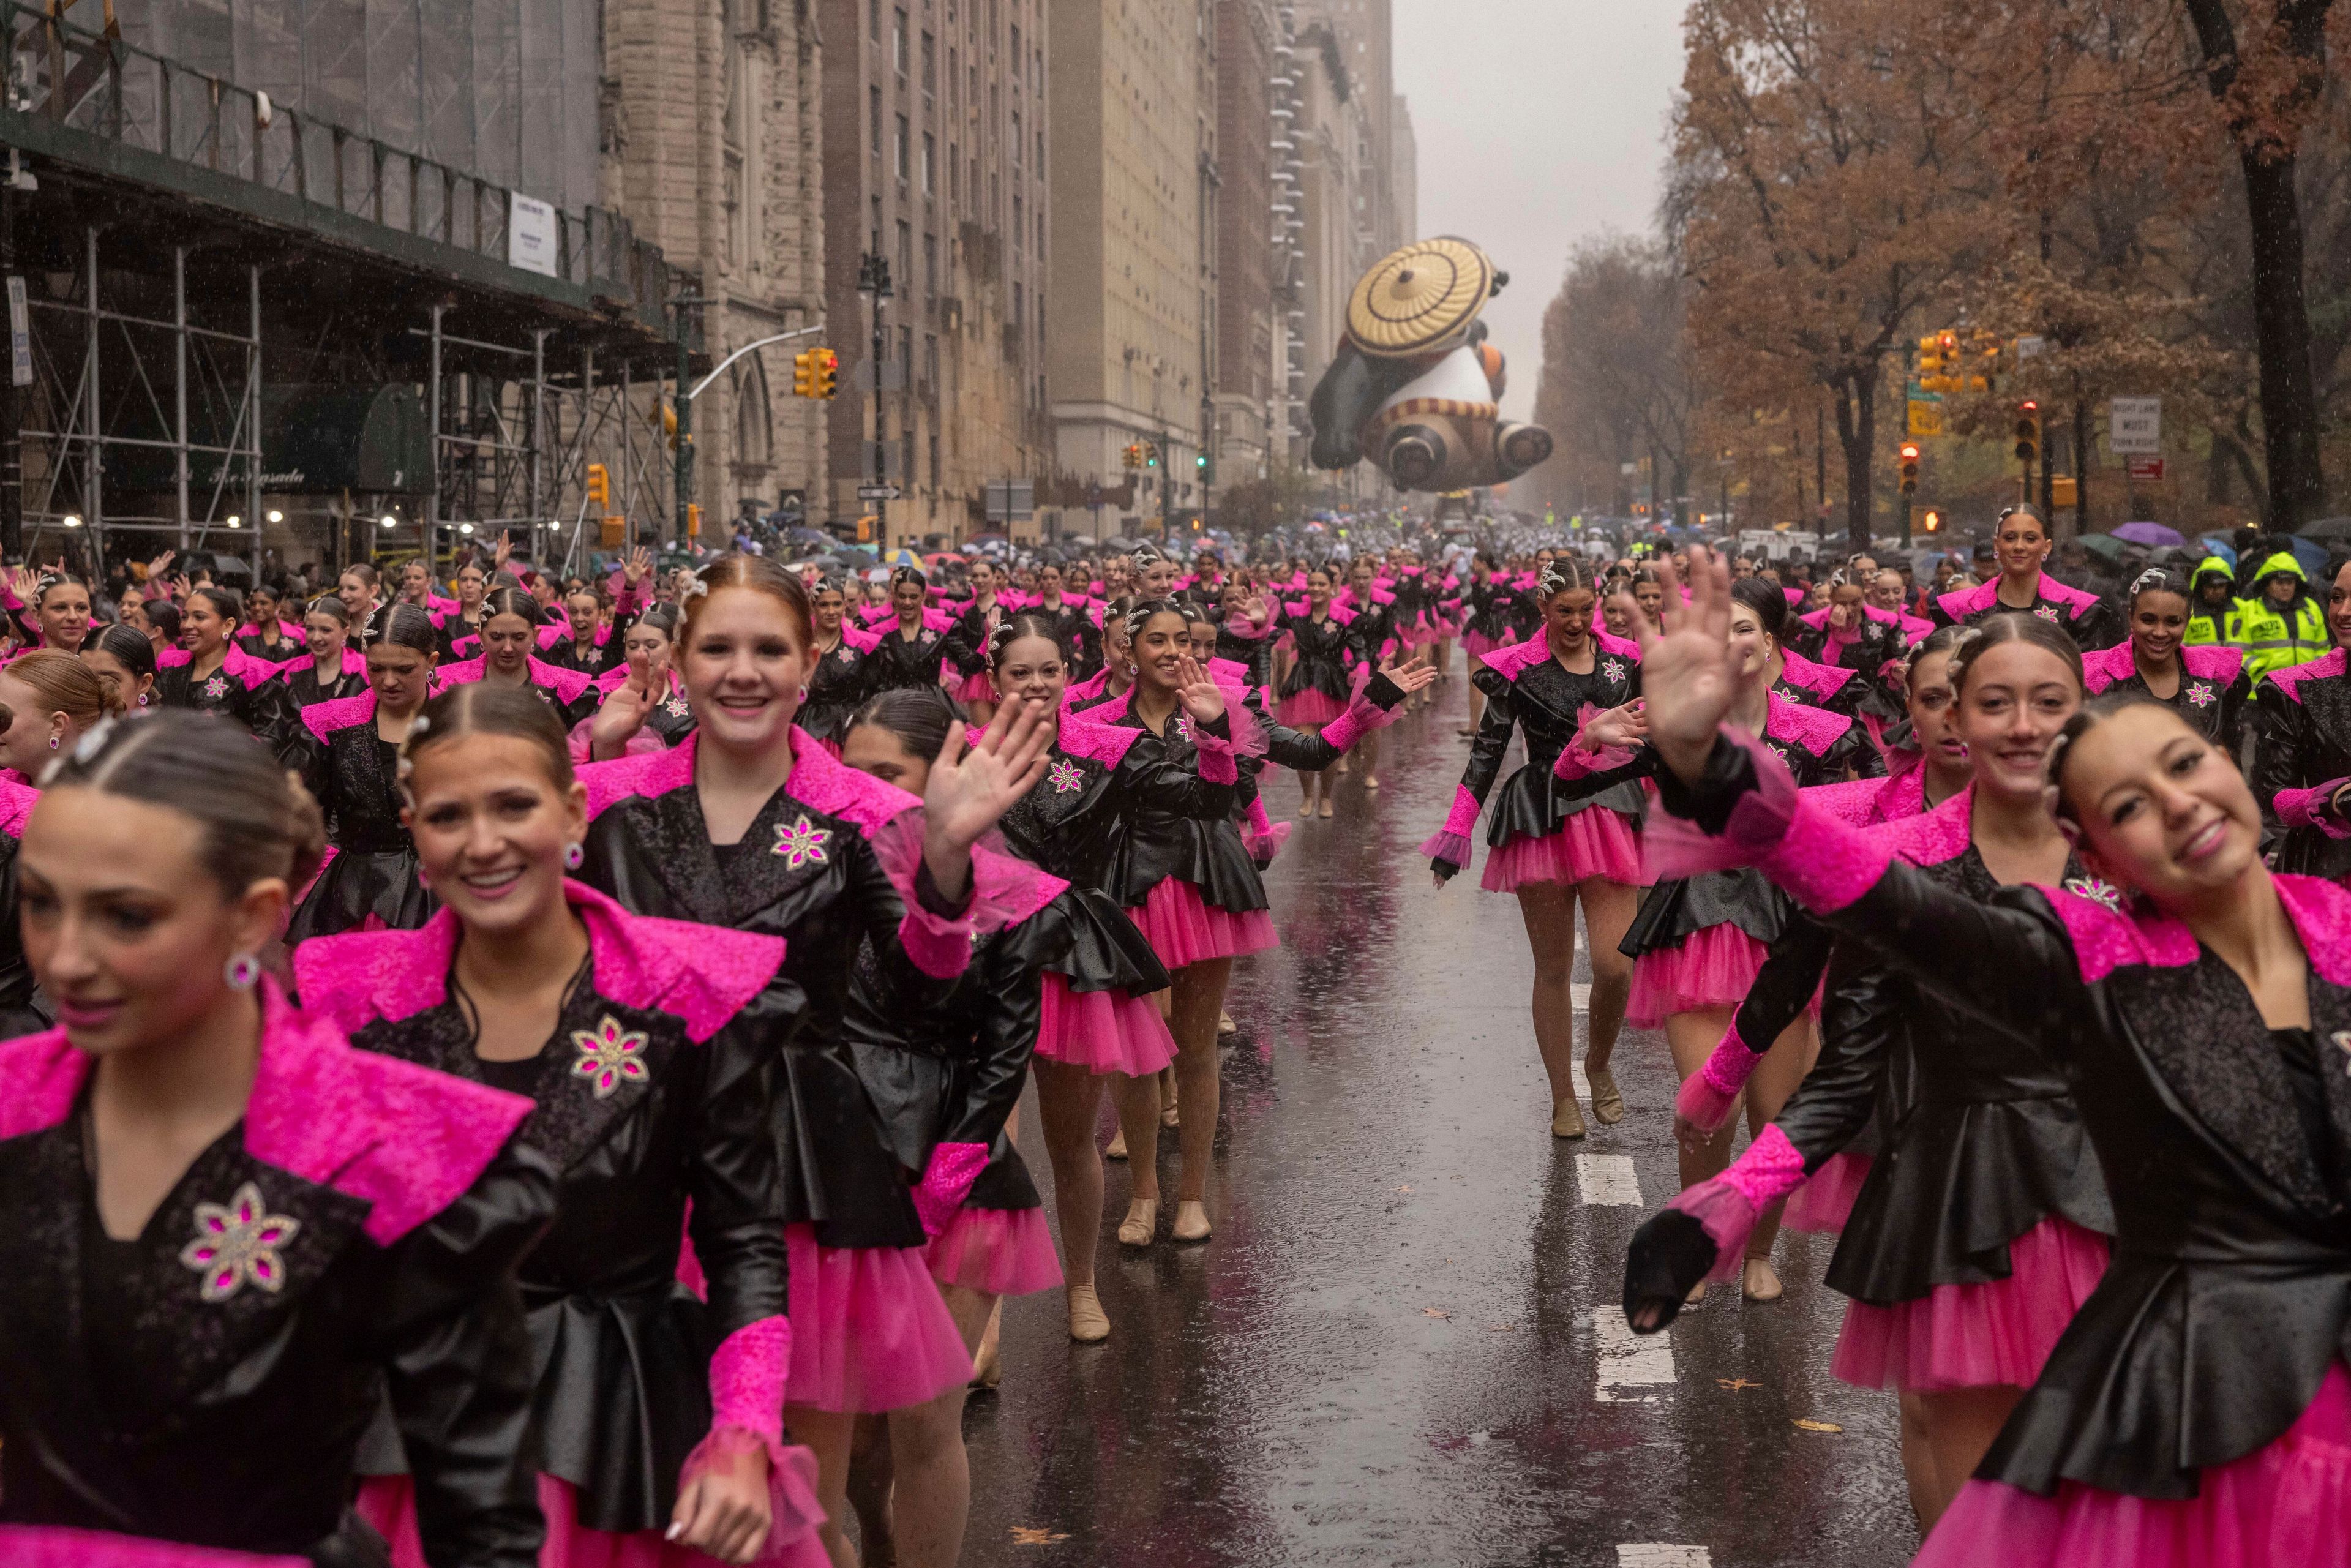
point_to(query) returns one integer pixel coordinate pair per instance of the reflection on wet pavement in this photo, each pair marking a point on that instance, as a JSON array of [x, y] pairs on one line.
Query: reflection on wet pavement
[[1403, 1345]]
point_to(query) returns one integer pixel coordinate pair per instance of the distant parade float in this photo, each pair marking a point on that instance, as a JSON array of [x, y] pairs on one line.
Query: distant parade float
[[1415, 389]]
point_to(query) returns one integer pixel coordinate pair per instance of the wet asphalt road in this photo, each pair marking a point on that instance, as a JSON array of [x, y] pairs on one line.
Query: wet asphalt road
[[1403, 1345]]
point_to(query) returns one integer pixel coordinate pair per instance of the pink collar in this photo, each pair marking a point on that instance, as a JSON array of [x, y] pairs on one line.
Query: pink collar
[[2289, 680], [1930, 837], [2104, 940], [703, 974], [406, 1139], [1814, 728], [818, 781], [1821, 680], [1083, 734], [323, 720]]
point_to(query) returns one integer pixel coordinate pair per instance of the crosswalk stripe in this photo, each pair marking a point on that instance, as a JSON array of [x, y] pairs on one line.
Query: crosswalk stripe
[[1660, 1554], [1631, 1369], [1608, 1179]]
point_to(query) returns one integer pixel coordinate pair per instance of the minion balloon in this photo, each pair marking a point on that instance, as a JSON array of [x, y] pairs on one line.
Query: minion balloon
[[1414, 387]]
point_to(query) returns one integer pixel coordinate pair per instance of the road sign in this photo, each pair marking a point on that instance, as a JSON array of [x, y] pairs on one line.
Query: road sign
[[1926, 415], [2147, 470], [2135, 426], [878, 492], [2031, 346]]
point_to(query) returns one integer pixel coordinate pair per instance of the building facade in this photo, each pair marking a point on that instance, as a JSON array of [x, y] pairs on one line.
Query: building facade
[[1248, 237], [945, 178], [1128, 342], [713, 141]]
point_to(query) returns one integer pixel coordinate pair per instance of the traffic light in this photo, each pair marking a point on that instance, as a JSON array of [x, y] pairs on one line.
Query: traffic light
[[804, 373], [1132, 456], [828, 373], [693, 521], [2028, 431], [600, 486], [1150, 455], [1930, 362], [1909, 467], [1934, 521], [1988, 353]]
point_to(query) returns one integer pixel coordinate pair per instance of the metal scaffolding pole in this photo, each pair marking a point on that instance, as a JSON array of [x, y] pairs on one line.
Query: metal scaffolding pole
[[253, 518], [432, 524], [180, 384], [538, 422], [93, 495]]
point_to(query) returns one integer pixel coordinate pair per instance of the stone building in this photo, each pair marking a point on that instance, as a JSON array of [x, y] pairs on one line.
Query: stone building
[[1247, 235], [713, 143], [938, 165]]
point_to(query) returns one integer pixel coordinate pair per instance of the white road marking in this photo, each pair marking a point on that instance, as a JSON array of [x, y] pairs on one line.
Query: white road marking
[[1633, 1369], [1608, 1179], [1576, 1080], [1659, 1554], [1579, 996]]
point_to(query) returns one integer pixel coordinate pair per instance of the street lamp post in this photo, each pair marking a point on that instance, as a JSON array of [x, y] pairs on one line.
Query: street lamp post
[[873, 279]]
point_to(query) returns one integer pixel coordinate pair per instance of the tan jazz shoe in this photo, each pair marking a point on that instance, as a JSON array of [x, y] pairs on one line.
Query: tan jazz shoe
[[1224, 1024], [1191, 1221], [1089, 1324], [1607, 1100], [1117, 1150], [1566, 1119], [1141, 1224]]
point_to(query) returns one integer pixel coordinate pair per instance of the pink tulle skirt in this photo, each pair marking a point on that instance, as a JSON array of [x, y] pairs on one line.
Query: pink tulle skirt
[[978, 688], [389, 1504], [1003, 1251], [1595, 841], [1477, 644], [870, 1332], [1973, 1336], [1824, 1203], [1182, 929], [1714, 968], [48, 1546], [1106, 1031], [2288, 1502], [1310, 706]]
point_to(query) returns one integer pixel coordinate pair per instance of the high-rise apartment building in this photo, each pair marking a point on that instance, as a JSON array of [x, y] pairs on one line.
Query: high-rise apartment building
[[937, 162], [1248, 236], [1404, 175], [1131, 117], [712, 144]]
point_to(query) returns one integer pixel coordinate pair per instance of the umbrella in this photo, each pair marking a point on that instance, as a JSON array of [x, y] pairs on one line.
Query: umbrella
[[1083, 542], [904, 557], [2217, 544], [1120, 541], [808, 537], [2149, 534], [2310, 552], [2335, 530], [2110, 546]]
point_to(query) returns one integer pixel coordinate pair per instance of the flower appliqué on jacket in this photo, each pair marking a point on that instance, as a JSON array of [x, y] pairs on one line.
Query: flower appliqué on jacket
[[2096, 891], [607, 1054], [2199, 694], [676, 707], [1779, 751], [1064, 776], [217, 687], [802, 843], [1183, 724], [1612, 670], [237, 1245], [2046, 611]]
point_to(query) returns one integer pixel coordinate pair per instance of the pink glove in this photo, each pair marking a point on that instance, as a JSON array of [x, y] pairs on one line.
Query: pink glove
[[1709, 1094], [1451, 842], [946, 1182]]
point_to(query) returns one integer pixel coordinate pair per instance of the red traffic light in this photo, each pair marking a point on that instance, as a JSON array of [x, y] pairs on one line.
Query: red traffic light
[[1909, 452]]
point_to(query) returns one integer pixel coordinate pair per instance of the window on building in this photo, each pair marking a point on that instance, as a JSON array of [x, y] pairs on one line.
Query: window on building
[[905, 151], [873, 20], [1019, 225], [955, 79], [930, 152], [930, 67], [955, 176], [931, 367], [930, 267], [754, 419], [935, 460], [1016, 54], [873, 102], [906, 259], [1016, 138], [898, 44], [1015, 307]]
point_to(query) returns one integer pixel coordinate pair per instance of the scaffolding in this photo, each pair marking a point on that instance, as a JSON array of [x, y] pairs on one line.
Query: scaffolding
[[198, 259]]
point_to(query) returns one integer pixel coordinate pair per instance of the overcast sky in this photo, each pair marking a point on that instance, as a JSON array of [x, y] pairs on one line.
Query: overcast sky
[[1539, 123]]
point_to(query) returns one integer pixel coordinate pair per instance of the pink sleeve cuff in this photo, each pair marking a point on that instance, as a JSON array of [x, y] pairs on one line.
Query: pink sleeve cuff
[[938, 945], [1824, 862], [946, 1182], [1728, 1206], [1709, 1095], [1576, 760], [1219, 764], [2314, 808], [793, 1511], [747, 1374], [1260, 824], [1450, 843]]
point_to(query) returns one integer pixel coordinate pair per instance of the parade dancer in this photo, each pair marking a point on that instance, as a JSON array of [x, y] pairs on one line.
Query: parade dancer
[[502, 655], [230, 1235], [123, 658], [1314, 691], [837, 690], [1980, 1226], [2197, 1410], [328, 667], [352, 769], [644, 706], [2208, 682], [2022, 546], [1552, 847], [647, 1048], [1179, 869], [60, 606], [1699, 941], [907, 652], [212, 675], [966, 644], [749, 823]]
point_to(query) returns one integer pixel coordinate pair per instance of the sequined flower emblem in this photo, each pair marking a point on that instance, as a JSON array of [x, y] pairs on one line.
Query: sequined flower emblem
[[607, 1054], [217, 687], [1183, 724], [2095, 889], [1064, 776], [2342, 1038], [1612, 669], [2199, 694], [676, 707], [2047, 612], [802, 843], [930, 637], [543, 696], [1779, 751], [847, 653], [237, 1244]]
